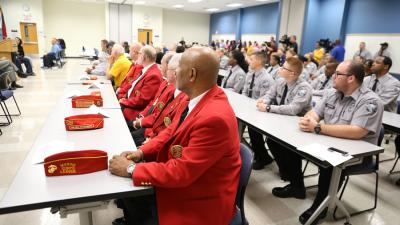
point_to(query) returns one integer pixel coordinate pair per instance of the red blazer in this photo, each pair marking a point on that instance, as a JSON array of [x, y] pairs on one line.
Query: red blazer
[[164, 118], [143, 92], [164, 95], [196, 173], [133, 72]]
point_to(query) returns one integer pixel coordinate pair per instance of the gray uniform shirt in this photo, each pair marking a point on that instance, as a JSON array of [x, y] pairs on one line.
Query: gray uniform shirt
[[235, 81], [298, 98], [384, 53], [362, 108], [363, 53], [262, 83], [318, 84], [273, 71], [387, 88]]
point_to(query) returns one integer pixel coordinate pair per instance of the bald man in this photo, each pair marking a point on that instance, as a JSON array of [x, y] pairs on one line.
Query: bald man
[[134, 70], [194, 167]]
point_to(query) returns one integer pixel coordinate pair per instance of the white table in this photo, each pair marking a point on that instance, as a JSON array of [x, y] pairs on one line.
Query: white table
[[285, 130], [31, 189], [110, 100], [391, 121]]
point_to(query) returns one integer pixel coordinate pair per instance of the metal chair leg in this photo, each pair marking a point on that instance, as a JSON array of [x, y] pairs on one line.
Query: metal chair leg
[[394, 166], [16, 104], [390, 159], [6, 114], [309, 175]]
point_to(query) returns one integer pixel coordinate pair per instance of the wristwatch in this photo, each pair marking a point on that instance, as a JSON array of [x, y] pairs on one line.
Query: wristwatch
[[130, 169], [268, 108], [317, 128]]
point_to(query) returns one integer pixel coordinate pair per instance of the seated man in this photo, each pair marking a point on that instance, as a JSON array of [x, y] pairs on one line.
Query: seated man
[[195, 171], [258, 82], [153, 124], [134, 70], [52, 55], [324, 81], [99, 67], [8, 71], [144, 87], [383, 84], [223, 59], [310, 68], [290, 96], [118, 65], [349, 111]]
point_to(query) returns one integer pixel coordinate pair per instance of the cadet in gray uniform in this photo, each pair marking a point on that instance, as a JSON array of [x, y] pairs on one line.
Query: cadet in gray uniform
[[383, 84], [324, 81], [349, 111], [258, 82], [237, 74], [290, 96], [274, 66], [363, 52]]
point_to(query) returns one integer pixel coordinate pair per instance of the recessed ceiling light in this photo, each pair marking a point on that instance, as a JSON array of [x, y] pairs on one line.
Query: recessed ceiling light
[[140, 2], [262, 0], [232, 5], [194, 1], [178, 6], [212, 9]]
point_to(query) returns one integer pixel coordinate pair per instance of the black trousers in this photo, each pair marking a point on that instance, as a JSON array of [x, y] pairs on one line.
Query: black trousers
[[289, 163], [258, 146], [139, 210], [138, 136]]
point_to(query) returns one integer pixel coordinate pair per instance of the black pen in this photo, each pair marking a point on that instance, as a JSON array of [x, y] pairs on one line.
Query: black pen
[[332, 149]]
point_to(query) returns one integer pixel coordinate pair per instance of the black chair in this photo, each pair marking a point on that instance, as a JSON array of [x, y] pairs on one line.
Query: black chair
[[4, 96], [245, 171], [397, 145], [367, 167]]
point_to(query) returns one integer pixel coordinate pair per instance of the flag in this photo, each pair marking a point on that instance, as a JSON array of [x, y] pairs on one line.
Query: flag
[[2, 25]]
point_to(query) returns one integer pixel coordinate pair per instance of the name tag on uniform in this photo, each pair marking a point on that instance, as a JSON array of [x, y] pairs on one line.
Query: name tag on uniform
[[330, 106]]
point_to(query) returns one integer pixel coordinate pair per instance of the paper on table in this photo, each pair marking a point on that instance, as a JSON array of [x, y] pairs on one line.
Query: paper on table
[[321, 152], [96, 85], [93, 109], [51, 148], [74, 93]]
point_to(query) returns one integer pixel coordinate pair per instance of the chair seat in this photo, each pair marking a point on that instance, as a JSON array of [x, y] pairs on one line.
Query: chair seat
[[6, 94], [363, 168]]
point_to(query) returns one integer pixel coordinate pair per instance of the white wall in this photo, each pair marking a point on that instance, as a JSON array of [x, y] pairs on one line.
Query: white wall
[[78, 23], [292, 18], [219, 37], [372, 42], [148, 18], [17, 11], [260, 38], [189, 26]]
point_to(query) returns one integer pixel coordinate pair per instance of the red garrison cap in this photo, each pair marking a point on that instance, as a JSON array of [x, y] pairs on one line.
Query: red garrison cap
[[75, 162], [84, 122], [85, 101]]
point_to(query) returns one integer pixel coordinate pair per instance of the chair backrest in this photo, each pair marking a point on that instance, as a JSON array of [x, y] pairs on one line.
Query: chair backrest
[[245, 171]]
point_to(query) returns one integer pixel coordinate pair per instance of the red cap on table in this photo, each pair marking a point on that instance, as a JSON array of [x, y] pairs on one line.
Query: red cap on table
[[75, 162], [85, 101], [84, 122]]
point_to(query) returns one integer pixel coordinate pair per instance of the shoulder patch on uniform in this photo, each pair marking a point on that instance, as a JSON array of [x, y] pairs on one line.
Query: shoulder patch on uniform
[[371, 107], [302, 92]]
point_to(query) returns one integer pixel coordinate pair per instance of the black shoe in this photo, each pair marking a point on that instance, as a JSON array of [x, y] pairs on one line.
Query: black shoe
[[12, 88], [31, 74], [307, 214], [289, 192], [261, 163], [22, 75], [15, 85], [119, 221]]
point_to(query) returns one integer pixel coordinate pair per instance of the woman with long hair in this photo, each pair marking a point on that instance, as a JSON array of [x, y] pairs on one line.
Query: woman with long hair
[[237, 74]]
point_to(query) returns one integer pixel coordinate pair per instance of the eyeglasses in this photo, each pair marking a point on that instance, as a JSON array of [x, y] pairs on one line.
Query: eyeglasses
[[336, 73], [287, 69]]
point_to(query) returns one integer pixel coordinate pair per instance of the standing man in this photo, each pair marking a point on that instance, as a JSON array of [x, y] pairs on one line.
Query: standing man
[[349, 111], [338, 51], [363, 52], [195, 172], [383, 51]]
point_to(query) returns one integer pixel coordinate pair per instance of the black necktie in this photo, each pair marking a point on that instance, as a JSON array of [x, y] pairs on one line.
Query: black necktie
[[226, 80], [251, 86], [284, 96], [183, 115], [359, 54], [324, 84], [374, 86], [270, 70]]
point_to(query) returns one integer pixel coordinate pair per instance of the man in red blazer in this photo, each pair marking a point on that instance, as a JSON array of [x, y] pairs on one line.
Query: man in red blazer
[[143, 87], [134, 51], [194, 167]]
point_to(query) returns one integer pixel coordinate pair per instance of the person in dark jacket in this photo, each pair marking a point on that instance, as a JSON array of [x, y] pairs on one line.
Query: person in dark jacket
[[20, 59]]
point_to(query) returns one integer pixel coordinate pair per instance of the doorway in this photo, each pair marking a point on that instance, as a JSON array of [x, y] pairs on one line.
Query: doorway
[[29, 37], [145, 36]]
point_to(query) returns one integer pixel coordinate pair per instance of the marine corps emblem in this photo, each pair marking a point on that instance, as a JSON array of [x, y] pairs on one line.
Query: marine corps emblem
[[52, 168], [176, 151], [167, 121]]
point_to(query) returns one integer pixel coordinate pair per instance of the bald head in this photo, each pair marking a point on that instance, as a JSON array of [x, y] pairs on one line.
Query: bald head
[[134, 51], [197, 71]]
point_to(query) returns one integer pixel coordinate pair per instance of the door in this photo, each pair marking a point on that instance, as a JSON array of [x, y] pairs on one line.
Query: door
[[29, 38], [145, 36]]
